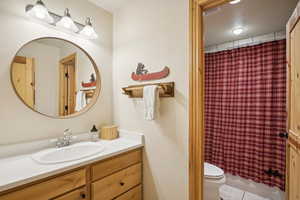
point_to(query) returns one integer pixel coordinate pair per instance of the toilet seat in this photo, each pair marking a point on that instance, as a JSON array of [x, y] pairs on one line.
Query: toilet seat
[[212, 171], [214, 178]]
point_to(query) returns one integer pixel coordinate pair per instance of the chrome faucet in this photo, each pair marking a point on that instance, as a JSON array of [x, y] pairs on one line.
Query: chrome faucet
[[65, 140]]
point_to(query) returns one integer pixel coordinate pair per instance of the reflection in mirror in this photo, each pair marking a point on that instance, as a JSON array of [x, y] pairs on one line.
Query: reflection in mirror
[[54, 77]]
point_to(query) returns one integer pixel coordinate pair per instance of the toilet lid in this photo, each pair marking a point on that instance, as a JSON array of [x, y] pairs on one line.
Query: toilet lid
[[212, 171]]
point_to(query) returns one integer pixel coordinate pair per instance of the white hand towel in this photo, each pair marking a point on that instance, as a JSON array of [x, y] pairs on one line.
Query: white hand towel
[[80, 101], [150, 98]]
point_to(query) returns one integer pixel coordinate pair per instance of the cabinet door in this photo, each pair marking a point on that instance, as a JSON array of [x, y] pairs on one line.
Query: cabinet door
[[79, 194], [49, 189], [23, 79], [292, 82], [296, 88], [110, 166], [116, 184], [134, 194], [294, 172]]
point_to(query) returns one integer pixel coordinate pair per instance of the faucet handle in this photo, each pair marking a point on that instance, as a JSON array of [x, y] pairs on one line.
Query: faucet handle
[[67, 132]]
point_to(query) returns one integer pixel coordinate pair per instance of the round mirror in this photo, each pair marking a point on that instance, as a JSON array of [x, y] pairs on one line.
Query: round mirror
[[55, 77]]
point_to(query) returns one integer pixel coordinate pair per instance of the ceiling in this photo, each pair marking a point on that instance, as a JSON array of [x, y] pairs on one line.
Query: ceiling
[[109, 5], [257, 17]]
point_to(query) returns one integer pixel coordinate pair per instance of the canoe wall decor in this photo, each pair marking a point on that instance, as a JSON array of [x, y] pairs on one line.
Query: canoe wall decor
[[92, 82], [142, 74]]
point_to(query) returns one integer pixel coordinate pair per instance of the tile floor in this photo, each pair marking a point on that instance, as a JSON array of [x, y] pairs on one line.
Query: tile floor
[[230, 193]]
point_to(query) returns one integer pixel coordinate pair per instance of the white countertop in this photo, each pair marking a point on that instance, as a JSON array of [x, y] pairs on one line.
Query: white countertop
[[19, 170]]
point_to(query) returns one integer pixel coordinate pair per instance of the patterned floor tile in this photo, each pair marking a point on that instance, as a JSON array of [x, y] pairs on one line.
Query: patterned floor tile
[[251, 196], [231, 193]]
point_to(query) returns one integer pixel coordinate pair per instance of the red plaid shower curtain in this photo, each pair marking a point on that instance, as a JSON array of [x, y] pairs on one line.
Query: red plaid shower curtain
[[245, 111]]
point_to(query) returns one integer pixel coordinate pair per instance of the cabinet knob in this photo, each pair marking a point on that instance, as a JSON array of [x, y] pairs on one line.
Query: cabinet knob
[[122, 183], [82, 195]]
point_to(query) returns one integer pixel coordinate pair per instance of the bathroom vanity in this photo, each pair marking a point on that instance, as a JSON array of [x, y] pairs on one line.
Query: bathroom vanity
[[101, 170], [115, 173], [118, 177]]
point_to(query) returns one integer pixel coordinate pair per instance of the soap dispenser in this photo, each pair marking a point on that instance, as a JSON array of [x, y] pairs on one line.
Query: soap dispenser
[[94, 134]]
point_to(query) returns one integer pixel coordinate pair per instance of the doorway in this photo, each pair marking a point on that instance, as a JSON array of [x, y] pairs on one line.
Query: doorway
[[23, 78], [67, 85], [197, 80]]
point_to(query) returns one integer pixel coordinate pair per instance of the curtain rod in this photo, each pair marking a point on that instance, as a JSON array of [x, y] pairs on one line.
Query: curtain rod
[[246, 42]]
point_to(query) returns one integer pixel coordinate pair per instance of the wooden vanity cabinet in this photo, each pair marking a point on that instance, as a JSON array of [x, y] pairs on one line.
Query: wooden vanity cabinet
[[116, 178], [50, 188], [134, 194], [78, 194], [117, 184]]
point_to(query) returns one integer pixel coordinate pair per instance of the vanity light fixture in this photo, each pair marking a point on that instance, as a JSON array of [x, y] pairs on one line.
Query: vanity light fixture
[[238, 31], [66, 22], [40, 12], [235, 1], [88, 30]]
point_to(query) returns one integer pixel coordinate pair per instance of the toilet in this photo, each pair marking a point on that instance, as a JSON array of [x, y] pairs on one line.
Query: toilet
[[214, 178]]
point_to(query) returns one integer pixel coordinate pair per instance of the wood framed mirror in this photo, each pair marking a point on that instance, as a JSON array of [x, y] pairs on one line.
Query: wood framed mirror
[[55, 77]]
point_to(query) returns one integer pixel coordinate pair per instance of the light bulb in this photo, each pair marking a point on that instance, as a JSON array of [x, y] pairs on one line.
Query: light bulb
[[238, 31], [40, 12], [235, 1], [88, 30], [66, 22]]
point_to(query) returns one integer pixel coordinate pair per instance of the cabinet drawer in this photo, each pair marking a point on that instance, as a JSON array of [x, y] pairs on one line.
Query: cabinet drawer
[[50, 188], [118, 183], [79, 194], [104, 168], [134, 194]]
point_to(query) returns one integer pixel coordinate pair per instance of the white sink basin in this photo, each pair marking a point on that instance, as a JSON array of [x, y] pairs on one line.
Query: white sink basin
[[69, 153]]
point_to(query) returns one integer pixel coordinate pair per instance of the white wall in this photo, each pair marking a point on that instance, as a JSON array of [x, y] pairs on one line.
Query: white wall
[[46, 59], [18, 123], [155, 33]]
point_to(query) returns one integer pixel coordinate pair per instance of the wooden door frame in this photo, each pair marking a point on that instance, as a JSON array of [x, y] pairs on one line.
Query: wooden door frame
[[196, 95], [293, 140], [62, 63]]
